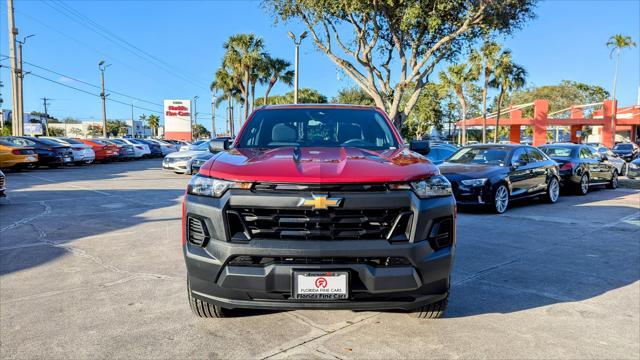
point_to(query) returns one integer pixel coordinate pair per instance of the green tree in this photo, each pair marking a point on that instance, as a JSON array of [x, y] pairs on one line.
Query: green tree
[[507, 77], [200, 132], [94, 130], [117, 128], [617, 43], [561, 96], [75, 131], [427, 114], [305, 96], [395, 44], [154, 123], [244, 53], [70, 120], [486, 59], [456, 78], [272, 71], [353, 95], [55, 131], [227, 83]]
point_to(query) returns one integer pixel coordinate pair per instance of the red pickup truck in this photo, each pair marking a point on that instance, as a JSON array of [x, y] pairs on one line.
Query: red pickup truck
[[318, 206]]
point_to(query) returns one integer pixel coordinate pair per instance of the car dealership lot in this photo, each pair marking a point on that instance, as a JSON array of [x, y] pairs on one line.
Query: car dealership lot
[[91, 266]]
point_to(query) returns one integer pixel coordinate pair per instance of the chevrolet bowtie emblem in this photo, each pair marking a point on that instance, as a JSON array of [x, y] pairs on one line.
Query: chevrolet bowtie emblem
[[320, 202]]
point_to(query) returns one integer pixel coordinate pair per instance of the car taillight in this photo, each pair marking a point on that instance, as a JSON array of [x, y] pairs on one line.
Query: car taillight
[[567, 166], [16, 152]]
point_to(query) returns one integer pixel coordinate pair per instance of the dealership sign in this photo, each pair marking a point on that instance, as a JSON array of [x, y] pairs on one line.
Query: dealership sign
[[177, 119]]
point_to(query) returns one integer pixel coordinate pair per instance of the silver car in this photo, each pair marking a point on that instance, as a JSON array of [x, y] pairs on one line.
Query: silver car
[[180, 161], [613, 159]]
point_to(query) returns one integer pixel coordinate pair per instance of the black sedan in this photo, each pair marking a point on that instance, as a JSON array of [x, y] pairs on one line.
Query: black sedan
[[582, 167], [50, 153], [493, 175], [633, 171], [627, 151]]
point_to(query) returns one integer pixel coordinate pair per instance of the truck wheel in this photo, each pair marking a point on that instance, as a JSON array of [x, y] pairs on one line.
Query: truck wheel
[[431, 311], [203, 309], [613, 184], [583, 185]]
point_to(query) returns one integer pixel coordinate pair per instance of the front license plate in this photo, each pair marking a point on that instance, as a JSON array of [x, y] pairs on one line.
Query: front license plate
[[325, 285], [67, 159]]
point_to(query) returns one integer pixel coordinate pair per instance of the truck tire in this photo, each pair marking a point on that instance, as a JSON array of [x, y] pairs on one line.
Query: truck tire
[[203, 309], [431, 311]]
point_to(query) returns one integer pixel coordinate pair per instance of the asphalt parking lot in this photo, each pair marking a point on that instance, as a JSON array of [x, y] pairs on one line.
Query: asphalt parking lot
[[91, 267]]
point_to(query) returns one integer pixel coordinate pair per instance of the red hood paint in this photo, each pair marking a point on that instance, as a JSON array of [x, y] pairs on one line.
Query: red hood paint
[[308, 165]]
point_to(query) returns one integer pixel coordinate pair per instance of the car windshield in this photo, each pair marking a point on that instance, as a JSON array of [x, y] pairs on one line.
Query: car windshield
[[202, 147], [481, 155], [319, 127], [72, 141], [623, 147], [118, 141], [557, 151]]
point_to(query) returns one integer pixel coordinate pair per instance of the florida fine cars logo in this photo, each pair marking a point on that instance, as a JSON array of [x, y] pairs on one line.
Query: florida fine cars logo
[[320, 202], [321, 283]]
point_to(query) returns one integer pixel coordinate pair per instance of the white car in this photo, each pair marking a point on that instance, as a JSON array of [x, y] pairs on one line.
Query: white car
[[82, 153], [612, 159], [165, 146], [180, 161], [140, 149]]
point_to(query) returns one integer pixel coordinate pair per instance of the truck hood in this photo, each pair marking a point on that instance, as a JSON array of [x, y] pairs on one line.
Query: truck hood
[[308, 165]]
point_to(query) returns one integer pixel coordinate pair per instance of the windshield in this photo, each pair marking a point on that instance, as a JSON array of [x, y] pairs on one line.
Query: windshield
[[72, 141], [321, 127], [623, 147], [117, 141], [202, 147], [557, 151], [481, 155]]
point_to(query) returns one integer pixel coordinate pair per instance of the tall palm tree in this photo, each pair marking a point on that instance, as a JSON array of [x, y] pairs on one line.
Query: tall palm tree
[[154, 123], [227, 83], [243, 55], [272, 71], [617, 43], [456, 78], [143, 118], [507, 77], [486, 60]]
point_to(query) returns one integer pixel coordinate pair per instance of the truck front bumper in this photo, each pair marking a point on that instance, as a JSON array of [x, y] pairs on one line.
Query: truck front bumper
[[383, 274]]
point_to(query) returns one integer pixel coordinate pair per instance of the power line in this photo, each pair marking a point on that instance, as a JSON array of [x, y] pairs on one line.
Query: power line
[[90, 84], [88, 23], [92, 94]]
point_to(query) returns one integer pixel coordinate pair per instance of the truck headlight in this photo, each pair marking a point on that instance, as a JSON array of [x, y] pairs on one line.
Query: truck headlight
[[474, 182], [208, 186], [435, 186]]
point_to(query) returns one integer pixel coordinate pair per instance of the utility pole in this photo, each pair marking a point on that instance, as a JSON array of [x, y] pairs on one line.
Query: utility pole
[[102, 67], [297, 60], [16, 117], [45, 105], [213, 116], [20, 74]]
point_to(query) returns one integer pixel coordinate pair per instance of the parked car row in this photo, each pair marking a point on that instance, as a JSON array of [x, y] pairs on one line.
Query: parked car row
[[189, 159], [23, 152], [493, 175]]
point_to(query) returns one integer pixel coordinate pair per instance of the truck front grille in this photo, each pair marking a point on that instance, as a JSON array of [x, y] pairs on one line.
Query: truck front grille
[[332, 224]]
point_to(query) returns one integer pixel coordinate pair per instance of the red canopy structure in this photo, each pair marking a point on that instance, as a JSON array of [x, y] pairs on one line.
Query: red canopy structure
[[627, 119]]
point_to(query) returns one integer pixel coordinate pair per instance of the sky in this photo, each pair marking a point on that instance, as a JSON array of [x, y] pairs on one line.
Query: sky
[[173, 48]]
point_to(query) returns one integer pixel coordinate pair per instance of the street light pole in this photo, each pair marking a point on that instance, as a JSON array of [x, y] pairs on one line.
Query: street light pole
[[297, 60], [195, 113], [213, 116], [103, 96]]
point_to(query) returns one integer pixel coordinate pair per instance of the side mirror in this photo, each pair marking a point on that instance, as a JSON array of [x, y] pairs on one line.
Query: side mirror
[[603, 157], [217, 145], [420, 146], [516, 164]]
